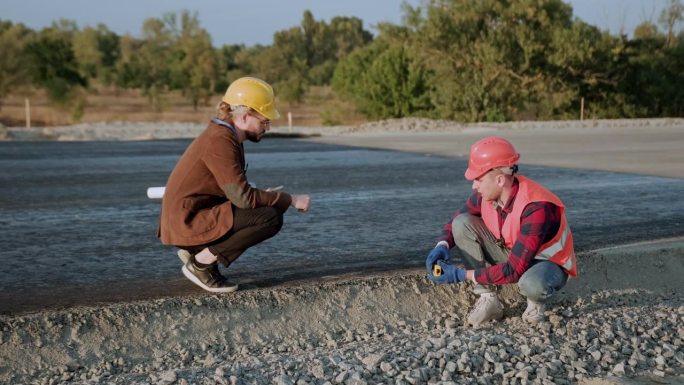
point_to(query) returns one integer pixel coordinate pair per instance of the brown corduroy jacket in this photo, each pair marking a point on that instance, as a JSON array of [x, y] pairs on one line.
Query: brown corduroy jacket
[[202, 189]]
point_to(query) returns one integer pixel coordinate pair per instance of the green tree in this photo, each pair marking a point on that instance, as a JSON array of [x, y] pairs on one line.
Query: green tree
[[286, 64], [653, 76], [174, 53], [128, 70], [348, 34], [333, 43], [673, 78], [645, 30], [230, 65], [86, 51], [349, 77], [396, 86], [584, 62], [97, 51], [13, 63], [53, 67], [144, 63], [308, 54], [670, 18], [384, 81], [325, 44], [196, 64], [61, 28], [488, 56]]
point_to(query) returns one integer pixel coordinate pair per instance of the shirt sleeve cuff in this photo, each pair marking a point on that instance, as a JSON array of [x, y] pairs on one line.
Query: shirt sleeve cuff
[[475, 274]]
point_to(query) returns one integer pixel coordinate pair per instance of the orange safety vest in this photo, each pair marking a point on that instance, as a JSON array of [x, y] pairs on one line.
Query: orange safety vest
[[558, 250]]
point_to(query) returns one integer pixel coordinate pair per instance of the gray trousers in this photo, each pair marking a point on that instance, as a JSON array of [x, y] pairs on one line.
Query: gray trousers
[[478, 248]]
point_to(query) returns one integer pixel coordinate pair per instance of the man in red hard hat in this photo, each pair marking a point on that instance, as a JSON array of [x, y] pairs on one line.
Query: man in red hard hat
[[511, 229]]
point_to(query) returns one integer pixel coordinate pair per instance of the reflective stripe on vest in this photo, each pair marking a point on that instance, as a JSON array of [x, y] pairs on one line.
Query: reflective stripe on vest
[[555, 248]]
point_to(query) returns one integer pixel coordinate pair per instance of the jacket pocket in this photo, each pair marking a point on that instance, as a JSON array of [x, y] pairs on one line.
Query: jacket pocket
[[198, 216]]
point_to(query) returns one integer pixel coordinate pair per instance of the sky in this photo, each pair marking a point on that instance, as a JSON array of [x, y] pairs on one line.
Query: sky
[[254, 22]]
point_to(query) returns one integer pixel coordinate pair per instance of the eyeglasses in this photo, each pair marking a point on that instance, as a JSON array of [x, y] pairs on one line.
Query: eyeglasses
[[264, 122]]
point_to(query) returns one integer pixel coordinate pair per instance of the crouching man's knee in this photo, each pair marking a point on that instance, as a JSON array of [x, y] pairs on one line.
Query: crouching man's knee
[[466, 226], [541, 281]]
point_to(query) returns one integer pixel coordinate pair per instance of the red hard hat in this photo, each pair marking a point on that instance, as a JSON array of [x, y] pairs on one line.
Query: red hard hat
[[488, 153]]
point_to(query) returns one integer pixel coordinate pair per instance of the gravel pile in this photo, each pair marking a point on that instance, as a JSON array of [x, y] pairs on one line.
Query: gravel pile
[[407, 125], [629, 341], [625, 342], [430, 125], [170, 130], [608, 335]]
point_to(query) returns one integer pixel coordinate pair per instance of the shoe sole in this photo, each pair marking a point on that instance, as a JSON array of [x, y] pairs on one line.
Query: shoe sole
[[184, 256], [483, 323], [199, 283]]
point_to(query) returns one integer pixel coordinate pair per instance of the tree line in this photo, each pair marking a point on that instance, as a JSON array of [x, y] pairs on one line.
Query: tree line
[[487, 60]]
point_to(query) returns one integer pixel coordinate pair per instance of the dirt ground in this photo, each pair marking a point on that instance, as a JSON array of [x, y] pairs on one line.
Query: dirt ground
[[621, 322], [640, 146], [110, 104]]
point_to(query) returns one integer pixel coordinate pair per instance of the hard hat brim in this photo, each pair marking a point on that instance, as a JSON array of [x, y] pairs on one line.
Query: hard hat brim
[[270, 115], [471, 174]]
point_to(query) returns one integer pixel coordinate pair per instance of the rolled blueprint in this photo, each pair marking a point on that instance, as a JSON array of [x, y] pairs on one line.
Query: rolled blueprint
[[155, 192], [158, 192]]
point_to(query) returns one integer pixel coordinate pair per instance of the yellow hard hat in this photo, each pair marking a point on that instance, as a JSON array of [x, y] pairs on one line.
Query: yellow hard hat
[[253, 93]]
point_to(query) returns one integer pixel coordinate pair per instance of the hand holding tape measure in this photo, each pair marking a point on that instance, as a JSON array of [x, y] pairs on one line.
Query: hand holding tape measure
[[440, 268]]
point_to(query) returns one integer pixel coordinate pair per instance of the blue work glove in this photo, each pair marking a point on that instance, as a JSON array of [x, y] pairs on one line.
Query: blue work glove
[[450, 273], [439, 252]]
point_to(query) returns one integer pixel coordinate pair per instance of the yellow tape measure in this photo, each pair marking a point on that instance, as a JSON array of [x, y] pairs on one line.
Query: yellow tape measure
[[436, 270]]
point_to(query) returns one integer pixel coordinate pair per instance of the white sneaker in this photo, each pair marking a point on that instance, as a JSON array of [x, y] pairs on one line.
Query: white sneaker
[[534, 312], [184, 256], [487, 308]]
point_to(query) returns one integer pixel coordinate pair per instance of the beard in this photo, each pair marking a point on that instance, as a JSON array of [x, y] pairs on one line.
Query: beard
[[253, 137]]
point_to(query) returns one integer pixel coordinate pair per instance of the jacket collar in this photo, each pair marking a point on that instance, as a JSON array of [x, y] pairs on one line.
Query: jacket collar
[[225, 124]]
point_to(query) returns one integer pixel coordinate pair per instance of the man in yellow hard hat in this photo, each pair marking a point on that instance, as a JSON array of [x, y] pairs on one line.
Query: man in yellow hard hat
[[510, 230], [209, 209]]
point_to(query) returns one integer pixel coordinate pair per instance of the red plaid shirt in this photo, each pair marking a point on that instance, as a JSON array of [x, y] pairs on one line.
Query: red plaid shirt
[[539, 223]]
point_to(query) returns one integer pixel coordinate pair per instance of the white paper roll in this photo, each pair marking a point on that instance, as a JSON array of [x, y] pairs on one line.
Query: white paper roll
[[155, 192], [158, 192]]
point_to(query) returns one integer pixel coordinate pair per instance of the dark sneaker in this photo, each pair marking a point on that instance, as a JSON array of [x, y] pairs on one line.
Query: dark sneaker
[[184, 255], [209, 278]]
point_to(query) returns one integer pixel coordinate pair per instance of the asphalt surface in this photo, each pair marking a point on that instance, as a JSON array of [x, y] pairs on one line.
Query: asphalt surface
[[78, 229]]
